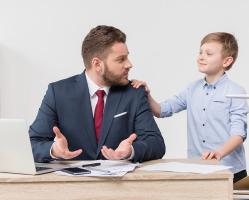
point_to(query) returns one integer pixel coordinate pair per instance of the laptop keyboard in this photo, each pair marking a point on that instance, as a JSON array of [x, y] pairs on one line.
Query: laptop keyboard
[[41, 168]]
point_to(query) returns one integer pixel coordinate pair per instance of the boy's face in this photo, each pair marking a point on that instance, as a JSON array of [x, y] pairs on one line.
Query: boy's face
[[210, 60]]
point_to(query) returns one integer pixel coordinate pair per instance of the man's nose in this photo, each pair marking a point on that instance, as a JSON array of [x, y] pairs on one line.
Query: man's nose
[[128, 64]]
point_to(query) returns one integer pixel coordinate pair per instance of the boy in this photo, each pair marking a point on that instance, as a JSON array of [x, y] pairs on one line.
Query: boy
[[216, 124]]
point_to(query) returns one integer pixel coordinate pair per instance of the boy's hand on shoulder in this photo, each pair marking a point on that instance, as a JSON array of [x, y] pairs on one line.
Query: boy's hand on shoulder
[[137, 83], [209, 155]]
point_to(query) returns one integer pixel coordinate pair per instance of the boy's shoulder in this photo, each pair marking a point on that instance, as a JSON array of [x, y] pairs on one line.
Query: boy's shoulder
[[229, 84], [233, 86], [196, 83]]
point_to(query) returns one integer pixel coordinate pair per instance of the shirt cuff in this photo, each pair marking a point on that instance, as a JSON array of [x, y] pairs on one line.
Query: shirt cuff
[[165, 109], [52, 156], [132, 154]]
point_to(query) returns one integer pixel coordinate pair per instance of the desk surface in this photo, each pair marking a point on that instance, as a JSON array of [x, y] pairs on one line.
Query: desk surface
[[138, 184]]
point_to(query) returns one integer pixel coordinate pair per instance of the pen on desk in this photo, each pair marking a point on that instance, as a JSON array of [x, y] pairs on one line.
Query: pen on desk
[[91, 165]]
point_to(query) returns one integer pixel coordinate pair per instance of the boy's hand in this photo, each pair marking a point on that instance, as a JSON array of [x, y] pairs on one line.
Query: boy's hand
[[137, 83], [209, 155]]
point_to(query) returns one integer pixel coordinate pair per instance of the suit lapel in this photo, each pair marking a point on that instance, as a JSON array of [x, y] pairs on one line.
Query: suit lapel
[[86, 116], [111, 106]]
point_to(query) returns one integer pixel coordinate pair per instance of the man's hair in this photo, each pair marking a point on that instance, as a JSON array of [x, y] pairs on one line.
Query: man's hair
[[228, 42], [98, 42]]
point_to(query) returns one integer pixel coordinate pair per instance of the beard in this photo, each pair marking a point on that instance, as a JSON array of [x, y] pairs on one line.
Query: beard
[[112, 79]]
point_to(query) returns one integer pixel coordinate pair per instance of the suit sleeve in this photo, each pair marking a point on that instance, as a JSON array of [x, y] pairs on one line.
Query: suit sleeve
[[149, 144], [40, 132]]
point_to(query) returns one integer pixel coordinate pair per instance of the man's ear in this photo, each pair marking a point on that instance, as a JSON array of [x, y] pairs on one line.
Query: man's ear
[[227, 61], [97, 64]]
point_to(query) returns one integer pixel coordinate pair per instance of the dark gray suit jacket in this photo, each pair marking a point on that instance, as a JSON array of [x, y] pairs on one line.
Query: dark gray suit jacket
[[67, 105]]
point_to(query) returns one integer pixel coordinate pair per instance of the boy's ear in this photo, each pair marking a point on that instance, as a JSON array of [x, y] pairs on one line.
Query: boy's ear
[[227, 61]]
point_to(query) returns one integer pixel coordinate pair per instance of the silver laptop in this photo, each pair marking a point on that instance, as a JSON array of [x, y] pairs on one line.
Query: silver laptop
[[15, 150]]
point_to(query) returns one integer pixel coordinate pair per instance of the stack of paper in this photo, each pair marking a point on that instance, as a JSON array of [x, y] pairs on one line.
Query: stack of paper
[[184, 167], [240, 194], [106, 168]]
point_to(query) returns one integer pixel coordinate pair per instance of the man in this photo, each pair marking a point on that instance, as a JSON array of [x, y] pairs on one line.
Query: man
[[97, 114]]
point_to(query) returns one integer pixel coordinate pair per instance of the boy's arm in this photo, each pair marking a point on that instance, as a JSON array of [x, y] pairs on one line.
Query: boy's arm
[[166, 108], [154, 105], [238, 125], [227, 148]]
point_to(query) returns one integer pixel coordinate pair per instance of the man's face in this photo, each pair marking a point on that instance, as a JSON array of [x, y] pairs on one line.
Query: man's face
[[116, 65], [210, 60]]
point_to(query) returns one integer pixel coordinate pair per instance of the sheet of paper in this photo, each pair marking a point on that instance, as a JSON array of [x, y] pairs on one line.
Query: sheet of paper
[[245, 192], [106, 168], [238, 96], [184, 167], [240, 197]]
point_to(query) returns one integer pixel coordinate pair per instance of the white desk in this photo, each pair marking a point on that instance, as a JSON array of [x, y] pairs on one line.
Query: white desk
[[137, 185]]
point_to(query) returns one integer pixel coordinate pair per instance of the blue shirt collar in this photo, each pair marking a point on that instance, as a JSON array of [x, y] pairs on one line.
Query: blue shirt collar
[[216, 84]]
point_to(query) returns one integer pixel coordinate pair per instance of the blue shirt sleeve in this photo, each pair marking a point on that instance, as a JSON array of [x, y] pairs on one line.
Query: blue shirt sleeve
[[238, 116], [174, 105]]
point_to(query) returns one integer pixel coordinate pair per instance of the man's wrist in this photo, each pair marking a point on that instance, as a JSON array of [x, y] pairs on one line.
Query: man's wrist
[[132, 154], [51, 152]]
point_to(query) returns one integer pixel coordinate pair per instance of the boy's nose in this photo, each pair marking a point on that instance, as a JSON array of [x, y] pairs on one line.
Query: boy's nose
[[200, 57]]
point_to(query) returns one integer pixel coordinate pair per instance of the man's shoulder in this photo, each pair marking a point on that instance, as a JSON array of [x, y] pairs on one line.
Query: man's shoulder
[[129, 89], [68, 80]]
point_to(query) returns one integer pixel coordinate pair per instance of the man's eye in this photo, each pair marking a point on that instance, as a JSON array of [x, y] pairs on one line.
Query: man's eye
[[121, 59]]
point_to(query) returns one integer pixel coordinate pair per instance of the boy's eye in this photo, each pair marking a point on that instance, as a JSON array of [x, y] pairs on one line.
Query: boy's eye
[[209, 54]]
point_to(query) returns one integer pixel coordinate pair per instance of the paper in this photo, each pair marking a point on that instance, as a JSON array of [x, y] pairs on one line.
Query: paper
[[238, 96], [184, 167], [105, 169], [241, 192]]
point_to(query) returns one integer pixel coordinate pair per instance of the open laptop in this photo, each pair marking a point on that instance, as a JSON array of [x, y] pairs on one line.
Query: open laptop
[[15, 150]]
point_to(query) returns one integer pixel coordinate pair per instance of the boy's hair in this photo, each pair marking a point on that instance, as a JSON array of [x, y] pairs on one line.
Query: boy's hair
[[228, 42], [98, 42]]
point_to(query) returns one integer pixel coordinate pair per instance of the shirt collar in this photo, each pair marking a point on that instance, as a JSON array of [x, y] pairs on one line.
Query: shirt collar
[[216, 84], [93, 87]]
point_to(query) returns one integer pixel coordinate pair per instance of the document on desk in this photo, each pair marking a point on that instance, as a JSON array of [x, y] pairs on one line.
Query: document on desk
[[103, 168], [184, 167]]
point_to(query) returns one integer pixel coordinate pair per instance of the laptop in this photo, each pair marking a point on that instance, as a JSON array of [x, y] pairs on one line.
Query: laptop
[[15, 150]]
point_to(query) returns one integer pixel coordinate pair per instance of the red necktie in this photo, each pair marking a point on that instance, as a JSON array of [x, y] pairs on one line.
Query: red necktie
[[98, 113]]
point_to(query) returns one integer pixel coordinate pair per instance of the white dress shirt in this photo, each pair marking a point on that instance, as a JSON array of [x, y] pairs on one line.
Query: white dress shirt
[[93, 88]]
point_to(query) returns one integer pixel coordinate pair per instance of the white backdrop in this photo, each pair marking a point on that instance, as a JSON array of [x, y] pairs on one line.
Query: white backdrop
[[40, 42]]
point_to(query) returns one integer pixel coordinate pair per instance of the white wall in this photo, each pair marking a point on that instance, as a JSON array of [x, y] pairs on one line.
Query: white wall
[[40, 42]]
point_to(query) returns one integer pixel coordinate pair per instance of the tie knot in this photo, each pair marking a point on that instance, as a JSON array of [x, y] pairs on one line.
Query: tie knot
[[100, 93]]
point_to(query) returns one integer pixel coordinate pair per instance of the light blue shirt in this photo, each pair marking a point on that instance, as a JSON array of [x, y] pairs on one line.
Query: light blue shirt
[[212, 118]]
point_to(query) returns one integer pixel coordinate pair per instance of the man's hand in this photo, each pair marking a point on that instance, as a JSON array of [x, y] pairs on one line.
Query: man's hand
[[60, 146], [122, 152], [208, 155]]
